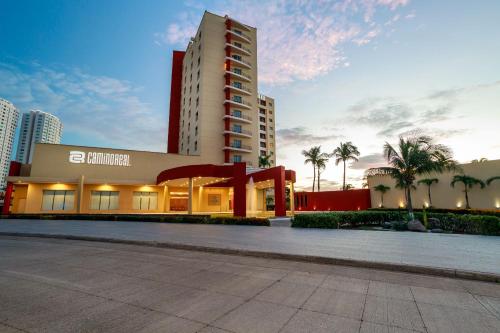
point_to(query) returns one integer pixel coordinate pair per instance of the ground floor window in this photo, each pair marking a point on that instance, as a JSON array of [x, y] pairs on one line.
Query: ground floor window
[[104, 200], [145, 200], [58, 200]]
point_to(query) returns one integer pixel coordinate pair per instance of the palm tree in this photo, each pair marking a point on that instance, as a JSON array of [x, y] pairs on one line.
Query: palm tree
[[348, 187], [412, 157], [428, 182], [312, 156], [264, 161], [345, 152], [468, 182], [382, 189], [321, 165], [490, 180]]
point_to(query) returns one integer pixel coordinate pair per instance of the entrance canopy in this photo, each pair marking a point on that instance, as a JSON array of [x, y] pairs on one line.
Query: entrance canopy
[[235, 176]]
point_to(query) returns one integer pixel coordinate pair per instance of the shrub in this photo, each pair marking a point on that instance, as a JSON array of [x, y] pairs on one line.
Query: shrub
[[345, 219], [167, 218], [445, 210], [458, 223]]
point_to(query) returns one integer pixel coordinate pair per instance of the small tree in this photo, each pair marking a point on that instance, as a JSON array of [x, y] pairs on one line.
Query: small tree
[[348, 187], [428, 182], [468, 182], [382, 189], [264, 161]]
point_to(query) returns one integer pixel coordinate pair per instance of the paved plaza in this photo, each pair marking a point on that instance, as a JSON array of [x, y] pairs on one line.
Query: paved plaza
[[451, 251], [50, 285]]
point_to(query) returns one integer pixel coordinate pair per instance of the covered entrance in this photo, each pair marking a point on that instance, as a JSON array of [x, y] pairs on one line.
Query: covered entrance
[[232, 189]]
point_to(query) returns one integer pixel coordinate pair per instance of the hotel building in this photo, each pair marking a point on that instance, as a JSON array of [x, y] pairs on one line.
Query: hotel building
[[218, 127], [215, 99], [37, 127], [9, 117]]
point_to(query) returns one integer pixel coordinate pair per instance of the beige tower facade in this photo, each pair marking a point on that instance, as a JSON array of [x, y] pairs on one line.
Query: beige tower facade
[[267, 128], [215, 106]]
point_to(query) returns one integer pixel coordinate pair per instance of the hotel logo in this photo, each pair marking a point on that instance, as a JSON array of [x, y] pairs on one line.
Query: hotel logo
[[76, 157], [96, 158]]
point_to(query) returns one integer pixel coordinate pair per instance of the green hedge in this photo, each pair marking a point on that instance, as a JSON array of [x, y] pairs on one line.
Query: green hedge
[[468, 224], [189, 219], [345, 219], [443, 210]]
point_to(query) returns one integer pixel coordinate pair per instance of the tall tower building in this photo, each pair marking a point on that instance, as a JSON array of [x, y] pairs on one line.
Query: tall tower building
[[37, 127], [214, 103], [267, 128], [9, 117]]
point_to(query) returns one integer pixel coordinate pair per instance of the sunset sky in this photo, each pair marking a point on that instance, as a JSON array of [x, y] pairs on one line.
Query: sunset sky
[[364, 71]]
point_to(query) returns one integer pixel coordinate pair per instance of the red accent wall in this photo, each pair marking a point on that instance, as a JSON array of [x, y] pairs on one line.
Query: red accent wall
[[175, 102], [333, 200], [14, 170]]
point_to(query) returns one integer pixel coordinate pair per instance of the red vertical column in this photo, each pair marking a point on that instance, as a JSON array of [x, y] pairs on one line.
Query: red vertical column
[[240, 189], [279, 191], [175, 103], [14, 170]]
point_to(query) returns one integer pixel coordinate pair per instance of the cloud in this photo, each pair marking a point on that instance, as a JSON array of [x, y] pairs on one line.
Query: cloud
[[98, 107], [368, 161], [301, 136], [298, 40]]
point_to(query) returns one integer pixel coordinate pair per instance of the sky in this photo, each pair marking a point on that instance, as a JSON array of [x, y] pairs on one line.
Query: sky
[[365, 71]]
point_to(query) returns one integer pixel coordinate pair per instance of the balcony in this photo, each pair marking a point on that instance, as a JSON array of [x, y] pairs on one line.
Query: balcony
[[239, 89], [238, 117], [238, 103], [238, 132], [239, 76], [239, 62], [238, 35], [231, 161], [240, 148], [239, 49]]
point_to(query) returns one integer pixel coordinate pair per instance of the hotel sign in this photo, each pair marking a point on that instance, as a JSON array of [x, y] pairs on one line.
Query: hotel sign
[[95, 158]]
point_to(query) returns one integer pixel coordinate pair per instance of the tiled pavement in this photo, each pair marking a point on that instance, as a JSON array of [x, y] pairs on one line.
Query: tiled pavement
[[75, 286]]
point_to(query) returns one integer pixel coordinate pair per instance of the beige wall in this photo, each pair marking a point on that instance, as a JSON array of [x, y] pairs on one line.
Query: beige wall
[[443, 195], [52, 161]]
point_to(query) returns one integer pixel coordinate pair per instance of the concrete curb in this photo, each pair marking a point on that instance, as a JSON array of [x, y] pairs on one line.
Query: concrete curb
[[427, 270]]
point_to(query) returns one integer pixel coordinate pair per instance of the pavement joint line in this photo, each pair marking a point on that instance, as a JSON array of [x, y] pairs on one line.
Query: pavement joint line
[[418, 309], [484, 306], [364, 306], [247, 301], [415, 269], [301, 306]]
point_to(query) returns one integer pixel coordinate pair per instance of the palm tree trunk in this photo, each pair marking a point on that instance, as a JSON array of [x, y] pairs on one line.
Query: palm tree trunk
[[408, 203], [429, 192], [314, 176], [466, 198], [343, 183], [319, 180]]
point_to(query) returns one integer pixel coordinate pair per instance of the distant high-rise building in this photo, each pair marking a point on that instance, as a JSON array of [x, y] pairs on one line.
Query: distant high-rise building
[[37, 127], [267, 128], [9, 117]]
